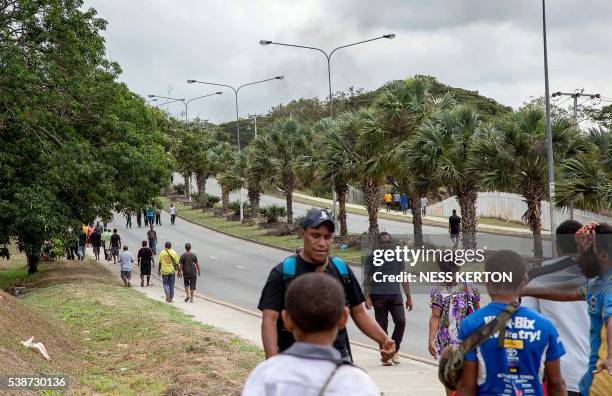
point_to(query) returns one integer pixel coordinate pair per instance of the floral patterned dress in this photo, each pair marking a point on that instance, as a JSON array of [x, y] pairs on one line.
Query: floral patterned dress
[[455, 303]]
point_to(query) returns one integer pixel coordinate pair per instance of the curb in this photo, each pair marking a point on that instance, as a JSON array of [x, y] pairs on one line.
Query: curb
[[351, 263]]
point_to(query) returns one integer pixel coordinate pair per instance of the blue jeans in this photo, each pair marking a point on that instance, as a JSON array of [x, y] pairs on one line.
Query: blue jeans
[[153, 246], [168, 281]]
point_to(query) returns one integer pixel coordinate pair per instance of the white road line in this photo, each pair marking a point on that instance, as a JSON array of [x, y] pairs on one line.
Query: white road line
[[214, 257], [240, 266]]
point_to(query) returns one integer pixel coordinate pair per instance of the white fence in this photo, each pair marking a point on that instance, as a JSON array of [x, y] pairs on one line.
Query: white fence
[[508, 206]]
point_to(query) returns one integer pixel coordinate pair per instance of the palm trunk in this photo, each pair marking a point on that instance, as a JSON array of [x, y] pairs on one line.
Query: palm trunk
[[288, 185], [467, 194], [341, 194], [533, 196], [33, 259], [254, 196], [417, 220], [372, 197], [224, 197], [201, 181], [187, 177]]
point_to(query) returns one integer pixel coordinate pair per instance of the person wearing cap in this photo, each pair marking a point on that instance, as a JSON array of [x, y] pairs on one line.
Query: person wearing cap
[[316, 232]]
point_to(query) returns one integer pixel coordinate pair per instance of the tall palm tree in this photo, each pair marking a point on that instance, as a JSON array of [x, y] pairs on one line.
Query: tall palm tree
[[512, 157], [284, 143], [330, 164], [443, 149], [404, 107], [586, 181], [226, 176]]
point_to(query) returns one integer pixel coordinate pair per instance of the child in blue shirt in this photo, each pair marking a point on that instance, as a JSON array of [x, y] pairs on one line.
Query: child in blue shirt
[[531, 345]]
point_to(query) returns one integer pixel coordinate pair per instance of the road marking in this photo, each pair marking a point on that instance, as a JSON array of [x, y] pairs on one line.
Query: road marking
[[214, 257], [240, 266]]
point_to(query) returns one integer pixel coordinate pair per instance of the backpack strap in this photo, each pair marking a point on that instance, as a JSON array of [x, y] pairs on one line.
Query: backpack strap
[[482, 334], [289, 265], [342, 269]]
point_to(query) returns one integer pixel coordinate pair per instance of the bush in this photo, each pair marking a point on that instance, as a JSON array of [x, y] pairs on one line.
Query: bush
[[211, 200], [273, 212], [52, 249], [179, 189], [234, 206]]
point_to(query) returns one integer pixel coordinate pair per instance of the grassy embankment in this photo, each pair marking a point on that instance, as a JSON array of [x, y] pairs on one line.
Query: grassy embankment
[[112, 340]]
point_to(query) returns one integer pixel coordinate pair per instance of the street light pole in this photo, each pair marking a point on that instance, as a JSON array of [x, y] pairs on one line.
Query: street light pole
[[236, 90], [549, 142], [328, 57], [186, 104]]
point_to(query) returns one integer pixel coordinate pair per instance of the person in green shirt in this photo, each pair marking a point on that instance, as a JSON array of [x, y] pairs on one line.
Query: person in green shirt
[[106, 237]]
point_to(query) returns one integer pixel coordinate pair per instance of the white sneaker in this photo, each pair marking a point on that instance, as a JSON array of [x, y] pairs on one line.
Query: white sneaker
[[395, 359]]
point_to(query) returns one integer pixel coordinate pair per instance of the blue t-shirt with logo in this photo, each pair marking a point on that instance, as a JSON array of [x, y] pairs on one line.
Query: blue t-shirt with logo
[[598, 295], [518, 367]]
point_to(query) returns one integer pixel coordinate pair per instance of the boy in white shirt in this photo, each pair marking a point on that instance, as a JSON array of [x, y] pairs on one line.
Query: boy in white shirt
[[315, 310]]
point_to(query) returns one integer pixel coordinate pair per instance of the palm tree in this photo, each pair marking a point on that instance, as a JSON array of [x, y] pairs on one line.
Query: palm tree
[[443, 149], [404, 107], [586, 181], [226, 176], [283, 144], [512, 157], [330, 164]]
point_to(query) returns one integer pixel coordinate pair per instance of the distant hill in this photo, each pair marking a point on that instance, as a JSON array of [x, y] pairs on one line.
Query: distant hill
[[308, 111]]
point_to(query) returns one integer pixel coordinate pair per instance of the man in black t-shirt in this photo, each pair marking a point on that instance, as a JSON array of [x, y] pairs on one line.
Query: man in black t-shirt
[[385, 296], [145, 261], [96, 242], [454, 227], [191, 270], [115, 243], [317, 230]]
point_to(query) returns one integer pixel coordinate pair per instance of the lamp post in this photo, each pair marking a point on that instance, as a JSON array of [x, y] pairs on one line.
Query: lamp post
[[254, 117], [236, 90], [186, 104], [328, 57], [185, 101], [549, 143]]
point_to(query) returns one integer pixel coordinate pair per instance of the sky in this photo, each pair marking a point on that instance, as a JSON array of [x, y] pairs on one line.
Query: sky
[[494, 47]]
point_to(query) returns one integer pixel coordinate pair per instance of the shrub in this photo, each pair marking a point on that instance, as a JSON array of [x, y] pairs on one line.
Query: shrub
[[179, 189], [234, 206], [211, 200], [273, 212]]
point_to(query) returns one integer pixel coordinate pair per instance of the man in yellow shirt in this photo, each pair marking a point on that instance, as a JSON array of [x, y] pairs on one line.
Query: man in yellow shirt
[[168, 267], [388, 199]]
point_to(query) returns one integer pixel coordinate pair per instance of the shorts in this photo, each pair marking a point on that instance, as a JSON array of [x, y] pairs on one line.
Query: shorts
[[190, 282], [126, 274], [115, 251], [145, 269]]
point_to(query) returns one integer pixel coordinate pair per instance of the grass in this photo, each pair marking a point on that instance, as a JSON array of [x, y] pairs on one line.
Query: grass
[[13, 271], [116, 341], [253, 233]]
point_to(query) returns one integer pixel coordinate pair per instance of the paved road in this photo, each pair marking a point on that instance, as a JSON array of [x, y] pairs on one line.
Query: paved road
[[235, 271], [433, 234]]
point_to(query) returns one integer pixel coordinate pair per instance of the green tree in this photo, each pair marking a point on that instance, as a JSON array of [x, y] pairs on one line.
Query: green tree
[[284, 143], [443, 150], [226, 176], [512, 157], [586, 181]]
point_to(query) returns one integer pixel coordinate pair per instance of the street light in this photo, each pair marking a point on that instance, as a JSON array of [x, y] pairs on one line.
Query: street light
[[236, 90], [328, 56], [184, 101]]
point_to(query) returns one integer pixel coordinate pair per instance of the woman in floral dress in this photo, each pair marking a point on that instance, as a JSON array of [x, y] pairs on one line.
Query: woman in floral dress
[[450, 303]]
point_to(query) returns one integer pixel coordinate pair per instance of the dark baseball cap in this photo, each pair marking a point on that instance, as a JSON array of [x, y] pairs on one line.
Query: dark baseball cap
[[314, 218]]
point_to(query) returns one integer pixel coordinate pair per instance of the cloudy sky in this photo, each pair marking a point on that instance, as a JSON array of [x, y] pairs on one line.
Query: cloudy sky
[[493, 46]]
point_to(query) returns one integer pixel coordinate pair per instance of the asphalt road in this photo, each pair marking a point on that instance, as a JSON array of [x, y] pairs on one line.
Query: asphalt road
[[436, 235], [235, 271]]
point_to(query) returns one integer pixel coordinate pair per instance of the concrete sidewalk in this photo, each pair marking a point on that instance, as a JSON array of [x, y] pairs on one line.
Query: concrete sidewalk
[[411, 377]]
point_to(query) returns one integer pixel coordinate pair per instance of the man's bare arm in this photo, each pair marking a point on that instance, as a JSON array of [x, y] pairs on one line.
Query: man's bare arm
[[269, 333], [467, 383], [554, 381]]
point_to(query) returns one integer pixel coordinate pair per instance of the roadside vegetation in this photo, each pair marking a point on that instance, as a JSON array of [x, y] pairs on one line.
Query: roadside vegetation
[[114, 340]]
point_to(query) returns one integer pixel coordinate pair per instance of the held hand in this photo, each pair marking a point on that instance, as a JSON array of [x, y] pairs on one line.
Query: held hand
[[368, 303], [409, 304], [387, 348], [605, 365], [199, 273], [432, 349]]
